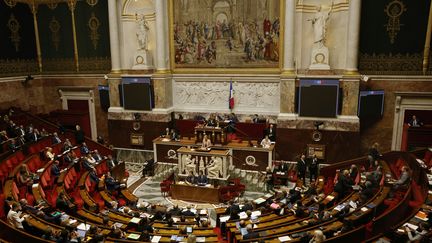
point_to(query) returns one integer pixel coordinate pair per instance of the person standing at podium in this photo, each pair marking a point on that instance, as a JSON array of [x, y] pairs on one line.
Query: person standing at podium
[[211, 122], [206, 143], [201, 179]]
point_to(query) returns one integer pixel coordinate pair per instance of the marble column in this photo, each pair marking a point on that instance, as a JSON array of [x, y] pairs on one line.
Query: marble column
[[287, 83], [288, 65], [114, 36], [350, 86], [161, 35], [353, 37]]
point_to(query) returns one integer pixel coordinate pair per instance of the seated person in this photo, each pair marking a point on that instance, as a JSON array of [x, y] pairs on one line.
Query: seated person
[[206, 142], [62, 202], [212, 122], [201, 178], [353, 172], [344, 184], [111, 163], [84, 149], [188, 212], [250, 234], [166, 133], [96, 156], [49, 153], [367, 192], [110, 183], [174, 135], [93, 176], [67, 145], [271, 132], [266, 142], [25, 177], [404, 178], [415, 122], [191, 178], [14, 216], [55, 139], [55, 169], [419, 234]]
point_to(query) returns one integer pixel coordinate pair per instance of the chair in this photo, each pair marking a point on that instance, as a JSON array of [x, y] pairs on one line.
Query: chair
[[165, 187]]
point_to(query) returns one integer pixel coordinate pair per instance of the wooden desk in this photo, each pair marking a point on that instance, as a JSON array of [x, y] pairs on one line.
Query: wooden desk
[[244, 156], [195, 193]]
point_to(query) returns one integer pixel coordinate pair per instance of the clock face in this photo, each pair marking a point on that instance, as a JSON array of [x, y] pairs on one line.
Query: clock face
[[139, 60], [319, 58], [316, 136]]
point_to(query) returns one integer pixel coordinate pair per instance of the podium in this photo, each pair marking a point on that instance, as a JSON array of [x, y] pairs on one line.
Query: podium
[[216, 134], [213, 163]]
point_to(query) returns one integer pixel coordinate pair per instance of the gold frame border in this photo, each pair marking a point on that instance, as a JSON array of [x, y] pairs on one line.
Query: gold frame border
[[198, 70]]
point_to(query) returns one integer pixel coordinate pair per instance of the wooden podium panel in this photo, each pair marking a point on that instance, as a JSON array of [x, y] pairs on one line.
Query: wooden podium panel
[[216, 134], [195, 193]]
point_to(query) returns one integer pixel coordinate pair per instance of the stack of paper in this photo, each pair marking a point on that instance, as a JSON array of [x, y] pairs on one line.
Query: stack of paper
[[133, 236], [135, 220], [259, 200], [284, 238], [156, 238]]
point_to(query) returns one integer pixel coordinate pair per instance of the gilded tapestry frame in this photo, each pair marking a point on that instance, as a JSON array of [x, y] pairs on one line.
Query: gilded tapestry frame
[[226, 70]]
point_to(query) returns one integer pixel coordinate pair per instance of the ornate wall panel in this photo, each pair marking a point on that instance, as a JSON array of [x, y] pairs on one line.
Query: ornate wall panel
[[392, 36], [213, 96], [17, 40]]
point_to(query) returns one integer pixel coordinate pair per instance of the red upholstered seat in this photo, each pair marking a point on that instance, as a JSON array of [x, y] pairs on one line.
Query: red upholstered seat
[[417, 194]]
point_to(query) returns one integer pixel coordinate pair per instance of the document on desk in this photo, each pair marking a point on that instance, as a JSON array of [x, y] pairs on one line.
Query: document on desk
[[223, 219], [256, 213], [200, 239], [259, 200], [284, 238], [411, 226], [83, 226], [133, 236], [243, 215], [156, 238]]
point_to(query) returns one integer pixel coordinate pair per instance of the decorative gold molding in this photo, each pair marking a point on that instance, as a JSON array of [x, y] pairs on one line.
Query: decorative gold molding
[[18, 66], [306, 8], [14, 27], [394, 10], [34, 7], [93, 24], [55, 26], [72, 5], [391, 64]]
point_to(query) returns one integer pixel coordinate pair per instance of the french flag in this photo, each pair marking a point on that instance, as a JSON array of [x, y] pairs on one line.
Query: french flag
[[231, 97]]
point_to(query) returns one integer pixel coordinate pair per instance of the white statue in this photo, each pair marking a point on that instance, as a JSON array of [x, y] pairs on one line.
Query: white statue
[[190, 164], [215, 167], [319, 23], [142, 33]]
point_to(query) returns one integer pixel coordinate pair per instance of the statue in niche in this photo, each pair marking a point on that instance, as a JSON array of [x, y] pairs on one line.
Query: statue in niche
[[214, 168], [320, 53], [142, 33], [189, 164], [319, 23]]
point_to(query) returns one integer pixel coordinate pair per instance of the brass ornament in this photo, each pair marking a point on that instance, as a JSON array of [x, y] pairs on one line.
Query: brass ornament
[[92, 2], [14, 27], [54, 26], [10, 3], [394, 10], [93, 25], [52, 5]]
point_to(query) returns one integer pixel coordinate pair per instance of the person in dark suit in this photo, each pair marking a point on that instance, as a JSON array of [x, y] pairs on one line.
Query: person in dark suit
[[111, 163], [79, 134], [188, 212], [233, 208], [201, 179], [110, 183], [211, 122], [271, 133], [344, 184], [301, 168], [84, 149], [191, 178], [415, 122], [313, 167], [174, 135], [55, 170], [32, 136], [55, 139], [67, 158]]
